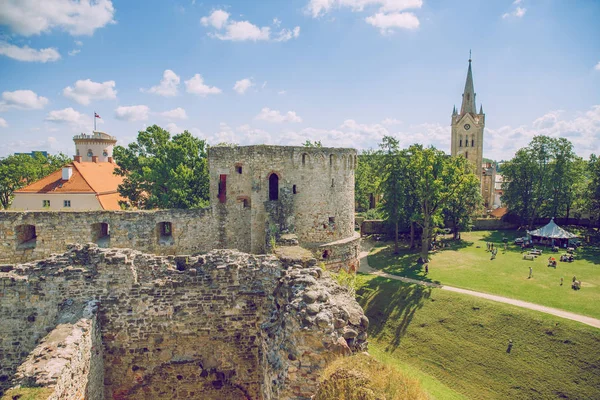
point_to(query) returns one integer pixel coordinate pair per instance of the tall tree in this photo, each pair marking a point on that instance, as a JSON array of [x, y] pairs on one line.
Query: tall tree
[[163, 172], [594, 188], [437, 178], [392, 164], [367, 178], [20, 170], [462, 206]]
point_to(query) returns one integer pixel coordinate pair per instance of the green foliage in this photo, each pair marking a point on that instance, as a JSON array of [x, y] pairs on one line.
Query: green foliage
[[346, 279], [24, 393], [541, 180], [464, 203], [367, 179], [18, 171], [462, 341], [164, 172], [316, 143], [592, 189]]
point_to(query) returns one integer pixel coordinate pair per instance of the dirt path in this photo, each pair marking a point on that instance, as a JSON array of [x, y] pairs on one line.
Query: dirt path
[[366, 268]]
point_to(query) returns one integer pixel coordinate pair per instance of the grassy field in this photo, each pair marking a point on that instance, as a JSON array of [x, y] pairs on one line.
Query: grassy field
[[457, 345], [467, 264]]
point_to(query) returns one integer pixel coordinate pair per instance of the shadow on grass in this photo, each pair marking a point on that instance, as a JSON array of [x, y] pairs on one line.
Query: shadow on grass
[[405, 263], [589, 253], [385, 300]]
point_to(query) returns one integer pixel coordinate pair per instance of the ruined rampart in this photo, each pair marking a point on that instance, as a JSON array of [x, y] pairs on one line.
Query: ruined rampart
[[223, 325]]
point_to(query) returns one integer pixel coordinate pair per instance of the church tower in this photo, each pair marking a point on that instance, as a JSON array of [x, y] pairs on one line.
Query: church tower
[[467, 127]]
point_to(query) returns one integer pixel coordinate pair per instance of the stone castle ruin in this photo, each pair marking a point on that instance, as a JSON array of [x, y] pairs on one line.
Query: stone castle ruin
[[197, 310]]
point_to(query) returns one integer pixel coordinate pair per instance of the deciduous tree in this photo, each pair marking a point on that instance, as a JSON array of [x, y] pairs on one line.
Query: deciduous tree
[[161, 171]]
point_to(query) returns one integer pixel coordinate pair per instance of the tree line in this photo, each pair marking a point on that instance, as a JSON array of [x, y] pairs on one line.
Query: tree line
[[547, 179], [422, 188]]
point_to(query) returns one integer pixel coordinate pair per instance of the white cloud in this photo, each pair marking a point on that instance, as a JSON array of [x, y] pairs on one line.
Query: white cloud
[[32, 17], [217, 19], [227, 29], [274, 116], [26, 53], [173, 128], [388, 22], [582, 129], [79, 43], [242, 85], [519, 12], [3, 123], [319, 7], [276, 22], [282, 92], [196, 85], [391, 121], [597, 67], [22, 100], [74, 52], [86, 90], [176, 113], [168, 85], [132, 113], [71, 117]]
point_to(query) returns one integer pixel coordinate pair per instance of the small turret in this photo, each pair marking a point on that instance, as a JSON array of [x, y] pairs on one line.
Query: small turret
[[481, 109], [454, 110]]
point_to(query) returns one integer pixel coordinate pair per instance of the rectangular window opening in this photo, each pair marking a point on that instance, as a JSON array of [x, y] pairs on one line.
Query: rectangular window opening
[[67, 203], [26, 237], [101, 234], [238, 168], [222, 188], [294, 190], [165, 233], [46, 203]]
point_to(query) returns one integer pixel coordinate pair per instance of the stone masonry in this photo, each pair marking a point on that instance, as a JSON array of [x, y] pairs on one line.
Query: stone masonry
[[222, 325]]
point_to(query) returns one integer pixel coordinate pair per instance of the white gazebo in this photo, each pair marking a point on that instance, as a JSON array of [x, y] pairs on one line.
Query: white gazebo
[[551, 234]]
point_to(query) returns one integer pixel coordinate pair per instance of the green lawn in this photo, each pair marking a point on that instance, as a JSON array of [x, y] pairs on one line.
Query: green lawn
[[457, 344], [467, 264]]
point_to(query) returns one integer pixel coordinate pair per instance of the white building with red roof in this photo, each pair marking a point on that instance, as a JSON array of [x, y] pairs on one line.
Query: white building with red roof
[[80, 185]]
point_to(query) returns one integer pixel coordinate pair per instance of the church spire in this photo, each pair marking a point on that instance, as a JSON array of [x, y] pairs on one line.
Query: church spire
[[454, 110], [468, 101], [481, 109]]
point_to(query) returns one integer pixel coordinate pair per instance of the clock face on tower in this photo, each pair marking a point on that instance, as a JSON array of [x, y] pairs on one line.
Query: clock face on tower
[[467, 127]]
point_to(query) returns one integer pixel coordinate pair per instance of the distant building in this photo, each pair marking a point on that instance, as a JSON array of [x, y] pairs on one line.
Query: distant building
[[44, 153], [498, 191], [85, 184], [488, 182]]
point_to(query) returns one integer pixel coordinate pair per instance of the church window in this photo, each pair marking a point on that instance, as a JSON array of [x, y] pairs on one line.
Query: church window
[[460, 143], [472, 142], [467, 142], [304, 159], [273, 187]]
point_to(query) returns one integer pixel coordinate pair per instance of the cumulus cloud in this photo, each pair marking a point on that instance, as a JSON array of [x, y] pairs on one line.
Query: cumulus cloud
[[77, 17], [84, 91], [582, 129], [168, 85], [228, 29], [275, 116], [3, 123], [319, 7], [28, 54], [196, 85], [176, 113], [388, 18], [22, 100], [70, 117], [132, 113], [388, 22], [242, 85], [74, 52]]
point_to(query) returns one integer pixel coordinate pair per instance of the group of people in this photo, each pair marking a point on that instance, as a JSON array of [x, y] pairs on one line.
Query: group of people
[[567, 258]]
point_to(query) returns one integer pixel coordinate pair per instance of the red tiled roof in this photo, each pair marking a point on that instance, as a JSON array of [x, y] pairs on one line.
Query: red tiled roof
[[87, 177], [499, 212]]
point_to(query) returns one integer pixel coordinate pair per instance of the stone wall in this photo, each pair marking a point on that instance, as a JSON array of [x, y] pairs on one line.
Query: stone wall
[[193, 231], [223, 325], [315, 190]]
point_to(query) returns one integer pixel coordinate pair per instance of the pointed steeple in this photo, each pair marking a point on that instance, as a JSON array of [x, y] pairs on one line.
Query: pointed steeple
[[481, 109], [454, 110], [468, 101]]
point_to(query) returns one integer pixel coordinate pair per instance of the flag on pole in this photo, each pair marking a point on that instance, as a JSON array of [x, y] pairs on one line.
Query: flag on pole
[[97, 116]]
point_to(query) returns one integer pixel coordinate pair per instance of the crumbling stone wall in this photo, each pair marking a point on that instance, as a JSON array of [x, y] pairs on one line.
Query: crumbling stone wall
[[193, 231], [223, 325]]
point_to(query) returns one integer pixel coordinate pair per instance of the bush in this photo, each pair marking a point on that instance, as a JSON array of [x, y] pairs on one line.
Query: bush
[[361, 377]]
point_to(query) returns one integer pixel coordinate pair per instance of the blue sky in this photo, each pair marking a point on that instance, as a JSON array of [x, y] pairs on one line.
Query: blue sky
[[345, 72]]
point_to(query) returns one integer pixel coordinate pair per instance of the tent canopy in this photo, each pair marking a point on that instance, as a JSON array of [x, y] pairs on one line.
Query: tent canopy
[[552, 231]]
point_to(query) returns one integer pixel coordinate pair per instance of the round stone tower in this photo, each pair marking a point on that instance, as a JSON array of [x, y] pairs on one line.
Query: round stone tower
[[260, 192], [96, 147]]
